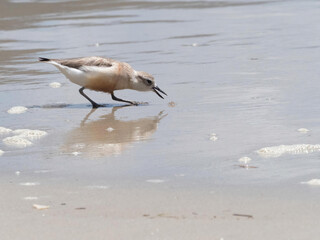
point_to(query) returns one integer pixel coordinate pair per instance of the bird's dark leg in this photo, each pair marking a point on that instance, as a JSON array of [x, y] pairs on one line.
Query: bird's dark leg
[[94, 104], [121, 100]]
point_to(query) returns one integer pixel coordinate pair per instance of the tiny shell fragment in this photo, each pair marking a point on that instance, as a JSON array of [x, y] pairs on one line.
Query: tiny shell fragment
[[29, 184], [40, 207], [171, 104], [110, 129]]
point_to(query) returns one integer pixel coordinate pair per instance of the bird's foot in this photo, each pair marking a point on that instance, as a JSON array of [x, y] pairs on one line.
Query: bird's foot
[[95, 105]]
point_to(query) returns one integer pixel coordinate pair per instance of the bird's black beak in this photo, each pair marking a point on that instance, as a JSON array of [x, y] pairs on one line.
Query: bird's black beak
[[156, 88]]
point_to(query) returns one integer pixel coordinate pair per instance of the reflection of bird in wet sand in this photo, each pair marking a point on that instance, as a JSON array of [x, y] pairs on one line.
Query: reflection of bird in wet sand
[[109, 135], [104, 75]]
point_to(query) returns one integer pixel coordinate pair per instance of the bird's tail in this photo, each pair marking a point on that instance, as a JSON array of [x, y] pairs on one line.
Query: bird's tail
[[41, 59]]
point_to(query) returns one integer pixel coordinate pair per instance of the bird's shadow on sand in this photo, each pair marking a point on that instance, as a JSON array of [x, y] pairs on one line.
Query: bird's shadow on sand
[[81, 106]]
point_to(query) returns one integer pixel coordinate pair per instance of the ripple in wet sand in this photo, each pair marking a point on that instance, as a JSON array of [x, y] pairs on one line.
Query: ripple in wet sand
[[30, 198], [98, 187], [28, 184], [156, 181]]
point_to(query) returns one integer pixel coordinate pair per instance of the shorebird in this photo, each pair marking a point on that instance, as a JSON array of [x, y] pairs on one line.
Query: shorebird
[[104, 75]]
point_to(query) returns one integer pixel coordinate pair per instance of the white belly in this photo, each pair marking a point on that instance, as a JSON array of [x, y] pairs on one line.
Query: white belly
[[104, 79]]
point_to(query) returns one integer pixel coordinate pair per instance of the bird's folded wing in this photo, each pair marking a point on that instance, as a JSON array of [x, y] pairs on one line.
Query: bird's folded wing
[[85, 64]]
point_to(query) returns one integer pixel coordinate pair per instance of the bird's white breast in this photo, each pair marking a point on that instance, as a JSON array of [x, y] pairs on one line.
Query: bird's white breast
[[105, 79]]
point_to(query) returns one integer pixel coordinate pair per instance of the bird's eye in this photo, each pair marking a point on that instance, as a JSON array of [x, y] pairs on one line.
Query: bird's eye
[[149, 82]]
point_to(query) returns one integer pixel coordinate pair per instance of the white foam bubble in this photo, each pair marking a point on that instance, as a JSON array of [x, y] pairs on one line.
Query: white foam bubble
[[1, 152], [4, 130], [55, 84], [76, 153], [17, 110], [303, 130], [17, 141], [277, 151], [313, 182], [213, 137], [244, 159], [30, 134]]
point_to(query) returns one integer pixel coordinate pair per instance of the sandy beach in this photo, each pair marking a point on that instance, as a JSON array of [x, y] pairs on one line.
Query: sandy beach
[[158, 212], [231, 153]]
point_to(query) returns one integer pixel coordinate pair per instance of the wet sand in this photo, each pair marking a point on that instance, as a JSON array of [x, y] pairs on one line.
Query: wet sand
[[157, 212], [231, 153]]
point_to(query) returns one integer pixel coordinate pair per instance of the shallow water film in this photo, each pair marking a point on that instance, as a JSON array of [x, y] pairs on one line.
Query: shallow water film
[[242, 110]]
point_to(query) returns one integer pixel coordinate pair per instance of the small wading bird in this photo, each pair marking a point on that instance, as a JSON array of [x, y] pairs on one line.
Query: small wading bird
[[104, 75]]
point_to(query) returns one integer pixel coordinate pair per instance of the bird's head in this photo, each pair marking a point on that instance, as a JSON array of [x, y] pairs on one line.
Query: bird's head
[[145, 82]]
